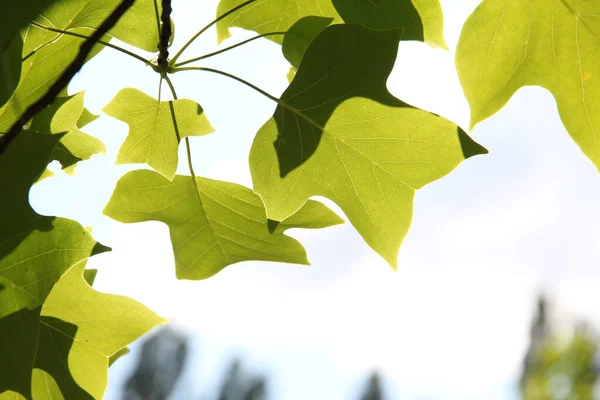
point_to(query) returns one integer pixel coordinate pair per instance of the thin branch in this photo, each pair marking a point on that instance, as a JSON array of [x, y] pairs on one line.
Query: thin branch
[[165, 34], [69, 33], [189, 42], [216, 71], [64, 79], [228, 48], [187, 141]]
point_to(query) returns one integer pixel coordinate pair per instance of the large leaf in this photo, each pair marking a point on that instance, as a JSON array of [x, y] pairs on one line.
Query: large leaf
[[34, 253], [80, 331], [555, 44], [213, 224], [421, 19], [49, 53], [153, 136], [339, 133], [65, 116]]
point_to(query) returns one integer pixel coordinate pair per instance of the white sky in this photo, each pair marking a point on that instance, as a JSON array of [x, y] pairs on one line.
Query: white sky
[[452, 323]]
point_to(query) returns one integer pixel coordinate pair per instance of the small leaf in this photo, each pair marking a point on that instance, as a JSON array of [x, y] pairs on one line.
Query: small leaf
[[554, 44], [213, 224], [340, 134], [152, 137], [62, 117]]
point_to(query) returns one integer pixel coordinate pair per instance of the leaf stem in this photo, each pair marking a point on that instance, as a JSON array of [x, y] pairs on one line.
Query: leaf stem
[[102, 42], [201, 31], [157, 17], [214, 53], [216, 71], [187, 141]]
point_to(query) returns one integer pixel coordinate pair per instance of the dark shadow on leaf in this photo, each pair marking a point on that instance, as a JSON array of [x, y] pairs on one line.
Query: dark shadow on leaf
[[54, 345], [343, 62], [18, 336], [383, 14]]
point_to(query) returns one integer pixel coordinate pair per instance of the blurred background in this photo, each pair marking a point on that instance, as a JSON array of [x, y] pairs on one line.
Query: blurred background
[[497, 290]]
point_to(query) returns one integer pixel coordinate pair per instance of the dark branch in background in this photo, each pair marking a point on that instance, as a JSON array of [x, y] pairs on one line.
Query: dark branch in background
[[64, 79], [165, 34]]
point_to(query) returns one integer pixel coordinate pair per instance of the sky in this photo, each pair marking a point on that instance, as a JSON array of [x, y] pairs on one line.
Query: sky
[[451, 323]]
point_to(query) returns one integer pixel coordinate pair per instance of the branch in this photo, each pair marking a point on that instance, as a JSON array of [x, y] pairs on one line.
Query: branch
[[165, 34], [64, 79]]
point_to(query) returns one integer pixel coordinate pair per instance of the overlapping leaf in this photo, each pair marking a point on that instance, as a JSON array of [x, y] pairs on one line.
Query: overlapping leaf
[[506, 45], [16, 14], [10, 67], [213, 224], [34, 253], [155, 128], [81, 332], [421, 19], [48, 53], [339, 133], [67, 115]]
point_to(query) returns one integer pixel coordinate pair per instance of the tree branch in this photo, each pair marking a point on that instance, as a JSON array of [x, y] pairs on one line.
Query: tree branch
[[165, 34], [64, 79]]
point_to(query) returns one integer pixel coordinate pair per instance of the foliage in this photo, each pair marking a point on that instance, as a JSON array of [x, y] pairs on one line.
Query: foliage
[[336, 132]]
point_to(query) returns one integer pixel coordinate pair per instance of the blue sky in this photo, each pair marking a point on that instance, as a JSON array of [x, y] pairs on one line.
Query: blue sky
[[452, 323]]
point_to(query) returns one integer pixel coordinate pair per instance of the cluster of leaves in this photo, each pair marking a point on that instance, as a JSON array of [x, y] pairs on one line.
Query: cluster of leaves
[[336, 132]]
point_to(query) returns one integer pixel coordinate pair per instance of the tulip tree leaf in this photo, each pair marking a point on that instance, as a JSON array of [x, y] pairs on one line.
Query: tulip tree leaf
[[152, 137], [63, 116], [81, 330], [48, 53], [300, 36], [554, 44], [35, 251], [213, 224], [340, 134], [14, 17], [421, 19]]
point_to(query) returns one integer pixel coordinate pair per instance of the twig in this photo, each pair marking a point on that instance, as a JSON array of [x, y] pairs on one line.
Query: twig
[[64, 79], [165, 34]]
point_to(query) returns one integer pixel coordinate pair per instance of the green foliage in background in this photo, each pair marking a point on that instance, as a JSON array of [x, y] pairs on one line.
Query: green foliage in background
[[336, 132]]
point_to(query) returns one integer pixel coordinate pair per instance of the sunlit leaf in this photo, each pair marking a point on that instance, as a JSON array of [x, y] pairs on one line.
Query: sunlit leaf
[[152, 137], [63, 116], [340, 134], [213, 224], [81, 330], [554, 44]]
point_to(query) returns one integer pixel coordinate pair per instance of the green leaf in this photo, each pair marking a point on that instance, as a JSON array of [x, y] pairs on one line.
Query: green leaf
[[10, 67], [63, 116], [81, 330], [49, 53], [153, 138], [554, 44], [213, 224], [340, 134], [421, 19], [90, 275], [118, 355], [34, 253]]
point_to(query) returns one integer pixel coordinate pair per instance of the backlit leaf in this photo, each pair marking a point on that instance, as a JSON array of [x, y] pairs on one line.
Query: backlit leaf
[[506, 45], [152, 136], [213, 224], [340, 134]]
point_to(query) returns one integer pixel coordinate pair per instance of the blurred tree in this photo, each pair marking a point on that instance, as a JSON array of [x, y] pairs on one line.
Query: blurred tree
[[239, 386], [161, 361], [373, 391], [557, 370]]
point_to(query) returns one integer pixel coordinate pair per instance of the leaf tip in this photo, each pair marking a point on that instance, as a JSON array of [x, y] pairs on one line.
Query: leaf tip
[[469, 146]]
